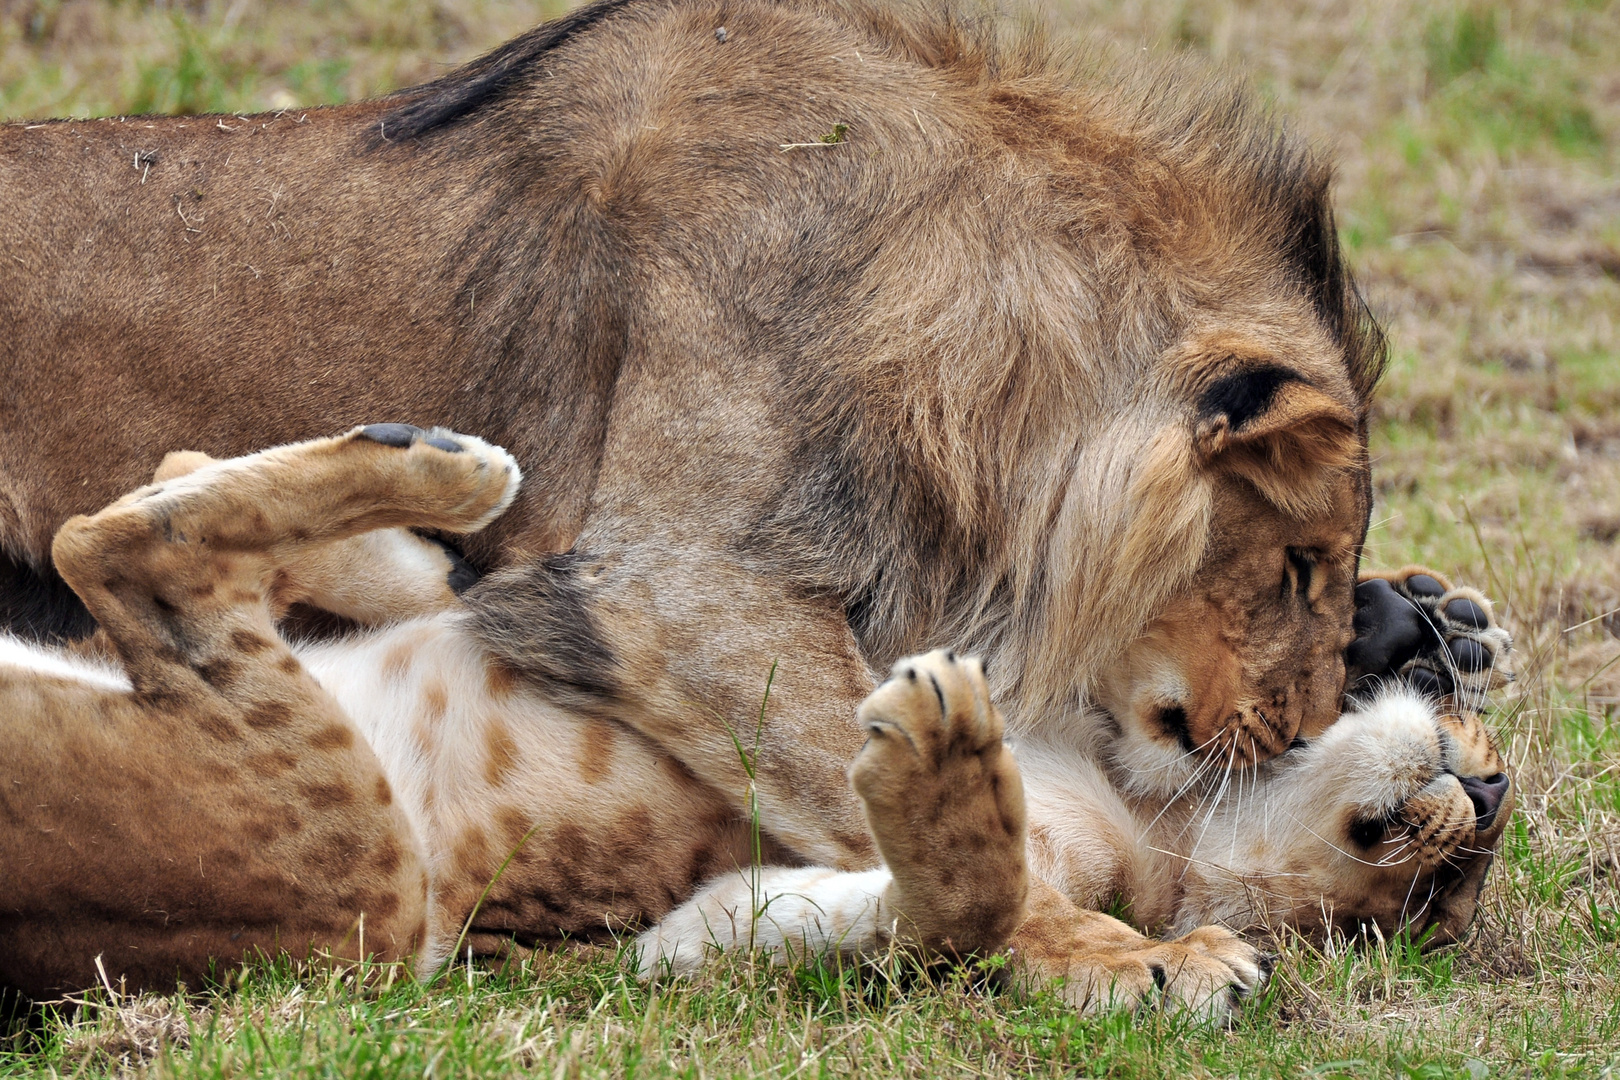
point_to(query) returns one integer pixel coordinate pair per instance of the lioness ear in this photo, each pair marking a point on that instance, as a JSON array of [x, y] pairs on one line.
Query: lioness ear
[[1268, 424]]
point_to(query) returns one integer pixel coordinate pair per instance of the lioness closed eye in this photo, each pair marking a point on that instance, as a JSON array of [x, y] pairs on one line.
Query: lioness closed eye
[[1060, 375]]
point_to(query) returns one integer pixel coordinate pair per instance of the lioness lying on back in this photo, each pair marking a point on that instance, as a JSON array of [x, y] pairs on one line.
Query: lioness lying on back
[[258, 794]]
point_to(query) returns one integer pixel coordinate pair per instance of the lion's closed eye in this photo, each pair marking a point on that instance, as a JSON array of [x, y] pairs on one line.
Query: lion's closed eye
[[1300, 564]]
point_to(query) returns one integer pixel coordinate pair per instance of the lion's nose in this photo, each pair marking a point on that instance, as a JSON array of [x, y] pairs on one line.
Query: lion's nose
[[1486, 795]]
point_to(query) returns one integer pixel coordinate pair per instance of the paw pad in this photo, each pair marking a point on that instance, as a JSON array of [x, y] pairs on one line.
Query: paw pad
[[1415, 627], [391, 434], [1425, 586], [1470, 614], [405, 435]]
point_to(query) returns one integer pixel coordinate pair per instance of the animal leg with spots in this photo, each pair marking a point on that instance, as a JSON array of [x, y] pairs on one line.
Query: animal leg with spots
[[372, 578], [945, 803], [211, 799]]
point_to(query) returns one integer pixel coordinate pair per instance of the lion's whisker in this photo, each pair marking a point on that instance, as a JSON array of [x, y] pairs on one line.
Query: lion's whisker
[[1220, 793], [1408, 902], [1203, 766]]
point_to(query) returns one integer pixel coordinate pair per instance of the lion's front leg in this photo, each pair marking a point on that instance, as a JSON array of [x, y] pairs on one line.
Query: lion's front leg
[[945, 805]]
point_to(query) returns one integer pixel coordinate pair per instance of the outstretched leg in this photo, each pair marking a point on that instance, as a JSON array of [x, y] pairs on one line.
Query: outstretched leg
[[220, 802]]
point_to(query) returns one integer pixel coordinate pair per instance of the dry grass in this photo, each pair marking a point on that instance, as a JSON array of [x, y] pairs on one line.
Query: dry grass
[[1480, 200]]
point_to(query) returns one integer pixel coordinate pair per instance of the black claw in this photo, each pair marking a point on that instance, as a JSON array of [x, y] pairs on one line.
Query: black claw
[[439, 442], [1468, 654], [1465, 611], [1160, 978], [1425, 586], [950, 656], [1268, 964], [391, 434], [911, 674]]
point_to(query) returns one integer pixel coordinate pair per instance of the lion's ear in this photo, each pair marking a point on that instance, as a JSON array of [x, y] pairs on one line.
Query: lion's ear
[[1268, 424]]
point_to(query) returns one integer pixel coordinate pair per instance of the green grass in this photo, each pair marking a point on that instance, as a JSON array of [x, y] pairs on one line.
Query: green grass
[[1480, 201], [580, 1014]]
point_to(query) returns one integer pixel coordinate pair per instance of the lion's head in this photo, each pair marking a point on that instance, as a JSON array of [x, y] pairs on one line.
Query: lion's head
[[1245, 654], [1174, 580]]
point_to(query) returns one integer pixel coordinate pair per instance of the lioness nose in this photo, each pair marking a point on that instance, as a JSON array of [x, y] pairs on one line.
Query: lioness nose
[[1486, 795]]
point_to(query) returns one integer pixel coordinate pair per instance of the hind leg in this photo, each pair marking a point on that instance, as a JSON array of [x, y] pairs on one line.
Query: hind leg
[[222, 803], [373, 578]]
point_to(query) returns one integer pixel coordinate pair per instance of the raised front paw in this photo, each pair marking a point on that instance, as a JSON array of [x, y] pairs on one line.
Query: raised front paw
[[945, 804], [1414, 627], [1101, 964]]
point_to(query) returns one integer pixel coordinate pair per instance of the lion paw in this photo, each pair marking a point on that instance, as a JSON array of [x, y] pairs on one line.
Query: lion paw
[[1103, 965], [460, 482], [945, 804], [1412, 625], [1208, 973]]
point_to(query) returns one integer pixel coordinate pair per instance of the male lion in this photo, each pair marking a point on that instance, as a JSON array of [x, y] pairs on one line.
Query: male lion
[[1067, 376]]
